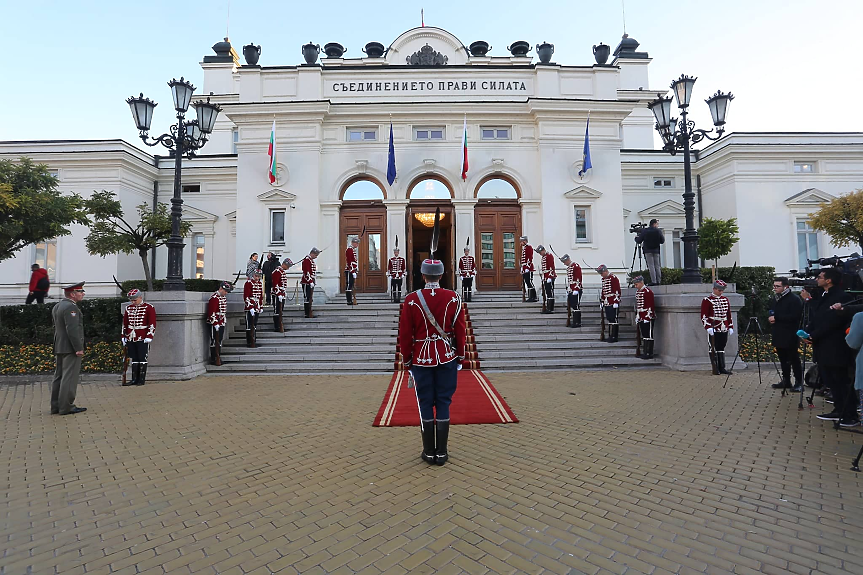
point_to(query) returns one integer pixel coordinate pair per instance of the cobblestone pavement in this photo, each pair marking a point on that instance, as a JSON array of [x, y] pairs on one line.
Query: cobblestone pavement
[[608, 472]]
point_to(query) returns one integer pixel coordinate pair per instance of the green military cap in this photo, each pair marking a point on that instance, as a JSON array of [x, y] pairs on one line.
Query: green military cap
[[70, 287]]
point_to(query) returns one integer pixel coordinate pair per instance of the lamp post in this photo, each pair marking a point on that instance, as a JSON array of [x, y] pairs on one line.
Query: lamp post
[[185, 138], [679, 136]]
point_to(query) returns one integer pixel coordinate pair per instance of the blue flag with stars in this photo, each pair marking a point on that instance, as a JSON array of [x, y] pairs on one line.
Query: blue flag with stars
[[586, 155], [391, 161]]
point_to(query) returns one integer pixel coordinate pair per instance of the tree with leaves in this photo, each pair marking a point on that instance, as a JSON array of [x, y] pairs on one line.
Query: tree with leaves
[[716, 238], [32, 210], [112, 233], [841, 219]]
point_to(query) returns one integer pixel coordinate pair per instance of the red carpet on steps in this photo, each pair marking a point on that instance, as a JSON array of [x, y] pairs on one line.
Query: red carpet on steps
[[475, 401]]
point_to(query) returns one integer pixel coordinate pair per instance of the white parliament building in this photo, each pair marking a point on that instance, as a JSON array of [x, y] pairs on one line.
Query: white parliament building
[[525, 131]]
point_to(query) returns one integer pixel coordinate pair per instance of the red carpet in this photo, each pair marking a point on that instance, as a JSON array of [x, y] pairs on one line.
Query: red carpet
[[475, 401]]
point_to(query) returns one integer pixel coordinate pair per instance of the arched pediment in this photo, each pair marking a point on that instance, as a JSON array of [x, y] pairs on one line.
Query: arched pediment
[[809, 198], [193, 214], [438, 39], [277, 196], [666, 208], [583, 194]]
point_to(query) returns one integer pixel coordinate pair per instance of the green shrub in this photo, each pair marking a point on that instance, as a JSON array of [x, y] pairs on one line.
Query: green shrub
[[31, 324], [192, 284], [99, 357]]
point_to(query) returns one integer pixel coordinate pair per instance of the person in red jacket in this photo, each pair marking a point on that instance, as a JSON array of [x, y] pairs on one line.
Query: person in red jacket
[[310, 274], [253, 304], [573, 289], [396, 268], [39, 285], [467, 271], [546, 268], [280, 292], [139, 329], [432, 343], [645, 314], [217, 318], [527, 269], [352, 267], [717, 321], [609, 298]]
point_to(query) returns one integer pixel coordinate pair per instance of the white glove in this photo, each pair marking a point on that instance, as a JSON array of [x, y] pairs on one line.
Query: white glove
[[575, 291], [281, 298], [124, 341], [218, 327], [709, 331], [615, 306], [148, 340], [731, 331], [458, 368], [251, 311], [355, 275], [548, 281]]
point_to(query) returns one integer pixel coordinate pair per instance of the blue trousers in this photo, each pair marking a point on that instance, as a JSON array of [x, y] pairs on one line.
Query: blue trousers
[[435, 387]]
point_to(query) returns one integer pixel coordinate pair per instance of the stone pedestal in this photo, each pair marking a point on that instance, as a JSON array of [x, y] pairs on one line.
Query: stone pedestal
[[180, 349], [681, 341]]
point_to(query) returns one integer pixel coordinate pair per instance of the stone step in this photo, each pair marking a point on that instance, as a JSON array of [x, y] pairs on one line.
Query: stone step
[[272, 346], [568, 363], [304, 339], [489, 345], [290, 355], [280, 367]]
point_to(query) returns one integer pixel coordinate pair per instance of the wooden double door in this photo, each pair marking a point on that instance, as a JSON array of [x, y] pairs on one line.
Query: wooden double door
[[498, 252], [373, 257]]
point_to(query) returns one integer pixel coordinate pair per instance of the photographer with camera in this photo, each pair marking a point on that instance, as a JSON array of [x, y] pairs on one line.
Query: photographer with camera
[[786, 309], [650, 238], [826, 332]]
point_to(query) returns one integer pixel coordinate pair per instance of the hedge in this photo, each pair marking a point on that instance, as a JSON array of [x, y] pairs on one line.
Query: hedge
[[192, 284], [31, 324], [99, 357], [761, 277]]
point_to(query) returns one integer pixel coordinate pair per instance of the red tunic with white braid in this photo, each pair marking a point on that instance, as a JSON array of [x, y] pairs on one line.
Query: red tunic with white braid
[[644, 307], [253, 295], [716, 313], [216, 308], [419, 342], [546, 264], [139, 322], [396, 267], [280, 282], [310, 271], [467, 267], [610, 294], [573, 277], [352, 260], [527, 259]]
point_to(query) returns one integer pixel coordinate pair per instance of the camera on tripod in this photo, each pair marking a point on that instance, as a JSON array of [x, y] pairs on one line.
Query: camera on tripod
[[851, 267], [637, 227]]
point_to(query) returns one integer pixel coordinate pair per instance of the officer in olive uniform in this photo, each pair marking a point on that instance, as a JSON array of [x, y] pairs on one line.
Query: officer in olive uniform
[[68, 350]]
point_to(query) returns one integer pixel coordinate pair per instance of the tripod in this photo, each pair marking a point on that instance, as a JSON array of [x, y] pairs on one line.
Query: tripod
[[637, 251], [760, 334]]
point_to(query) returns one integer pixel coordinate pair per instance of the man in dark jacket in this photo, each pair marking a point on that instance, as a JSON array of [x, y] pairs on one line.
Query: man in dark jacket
[[39, 285], [271, 264], [826, 331], [650, 239], [786, 310]]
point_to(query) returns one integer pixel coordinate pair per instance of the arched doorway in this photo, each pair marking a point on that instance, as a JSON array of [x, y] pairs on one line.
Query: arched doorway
[[497, 224], [364, 214], [427, 193]]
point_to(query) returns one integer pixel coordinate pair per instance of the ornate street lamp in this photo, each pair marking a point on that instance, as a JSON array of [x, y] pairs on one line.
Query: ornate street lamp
[[680, 135], [185, 138]]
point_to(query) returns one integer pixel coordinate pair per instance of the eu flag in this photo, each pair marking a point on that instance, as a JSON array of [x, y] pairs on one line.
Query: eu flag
[[391, 161], [586, 155]]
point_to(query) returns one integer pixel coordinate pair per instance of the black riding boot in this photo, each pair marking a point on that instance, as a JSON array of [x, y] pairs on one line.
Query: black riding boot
[[142, 373], [469, 295], [613, 332], [249, 338], [441, 435], [307, 308], [720, 360], [551, 305], [576, 318], [428, 433], [135, 369], [647, 351], [349, 297], [531, 295]]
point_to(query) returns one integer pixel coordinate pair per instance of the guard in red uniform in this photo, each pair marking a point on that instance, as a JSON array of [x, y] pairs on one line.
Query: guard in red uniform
[[546, 268], [716, 318], [467, 271], [527, 269], [352, 267], [432, 342], [253, 303], [573, 289], [139, 329], [280, 293], [609, 299], [216, 310], [645, 315], [310, 273], [396, 268]]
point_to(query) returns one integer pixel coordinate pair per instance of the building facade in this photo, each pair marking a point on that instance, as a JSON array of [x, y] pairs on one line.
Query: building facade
[[525, 124]]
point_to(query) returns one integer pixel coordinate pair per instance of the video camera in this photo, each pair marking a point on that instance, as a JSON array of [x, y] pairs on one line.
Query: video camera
[[851, 267], [637, 227]]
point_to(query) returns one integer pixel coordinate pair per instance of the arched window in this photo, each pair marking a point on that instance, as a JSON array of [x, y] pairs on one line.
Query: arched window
[[429, 189], [497, 188], [363, 190]]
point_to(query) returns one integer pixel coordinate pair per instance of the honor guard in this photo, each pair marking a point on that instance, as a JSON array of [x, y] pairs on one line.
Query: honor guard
[[432, 342], [253, 304], [352, 267], [396, 270], [216, 309], [716, 318], [467, 271], [280, 293], [68, 350], [310, 273], [546, 268], [573, 290], [527, 269], [609, 299], [139, 329], [645, 315]]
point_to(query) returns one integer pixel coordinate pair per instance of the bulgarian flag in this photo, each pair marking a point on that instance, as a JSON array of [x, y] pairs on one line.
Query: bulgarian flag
[[272, 153], [464, 150]]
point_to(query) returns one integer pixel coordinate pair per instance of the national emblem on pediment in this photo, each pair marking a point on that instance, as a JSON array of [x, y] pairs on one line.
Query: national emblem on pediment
[[426, 56]]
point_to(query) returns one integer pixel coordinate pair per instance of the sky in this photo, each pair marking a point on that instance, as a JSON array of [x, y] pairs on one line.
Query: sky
[[69, 66]]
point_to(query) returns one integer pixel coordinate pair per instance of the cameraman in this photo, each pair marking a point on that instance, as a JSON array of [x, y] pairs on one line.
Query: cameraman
[[826, 331], [650, 239], [785, 313]]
